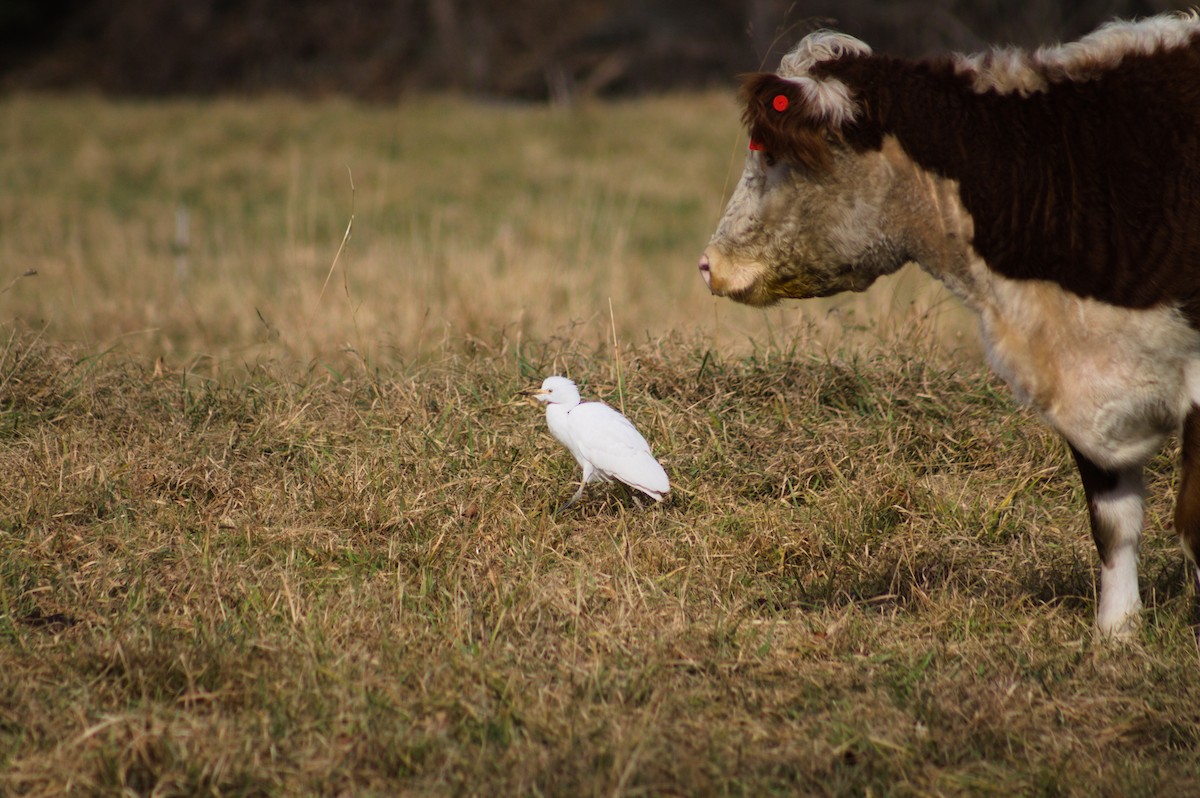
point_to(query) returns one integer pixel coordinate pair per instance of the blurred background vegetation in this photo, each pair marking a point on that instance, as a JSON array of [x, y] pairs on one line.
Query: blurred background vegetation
[[554, 50]]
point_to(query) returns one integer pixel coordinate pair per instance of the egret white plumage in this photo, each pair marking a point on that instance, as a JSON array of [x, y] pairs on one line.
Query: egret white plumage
[[605, 443]]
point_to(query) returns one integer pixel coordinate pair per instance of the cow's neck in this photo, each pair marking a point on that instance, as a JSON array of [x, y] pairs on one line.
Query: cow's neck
[[933, 228], [1056, 182]]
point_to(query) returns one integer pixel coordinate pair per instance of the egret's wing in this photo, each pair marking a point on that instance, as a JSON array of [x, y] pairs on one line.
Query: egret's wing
[[611, 443]]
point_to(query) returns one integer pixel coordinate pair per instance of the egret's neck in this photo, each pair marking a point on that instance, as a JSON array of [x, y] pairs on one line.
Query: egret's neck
[[556, 420]]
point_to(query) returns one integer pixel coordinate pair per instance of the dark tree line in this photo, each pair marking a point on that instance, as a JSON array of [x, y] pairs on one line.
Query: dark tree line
[[526, 49]]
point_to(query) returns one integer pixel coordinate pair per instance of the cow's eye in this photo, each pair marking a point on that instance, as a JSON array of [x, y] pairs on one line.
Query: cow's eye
[[768, 159]]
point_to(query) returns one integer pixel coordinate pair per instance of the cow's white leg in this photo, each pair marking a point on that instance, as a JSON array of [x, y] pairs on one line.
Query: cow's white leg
[[1120, 514], [1115, 509]]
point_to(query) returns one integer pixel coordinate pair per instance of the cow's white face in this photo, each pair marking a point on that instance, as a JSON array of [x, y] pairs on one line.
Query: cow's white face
[[793, 231]]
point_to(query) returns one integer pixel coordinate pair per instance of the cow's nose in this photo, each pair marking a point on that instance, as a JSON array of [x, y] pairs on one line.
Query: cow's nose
[[706, 271]]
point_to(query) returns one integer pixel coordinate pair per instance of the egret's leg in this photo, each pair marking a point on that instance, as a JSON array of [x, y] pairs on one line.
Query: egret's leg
[[573, 499], [588, 471], [637, 499]]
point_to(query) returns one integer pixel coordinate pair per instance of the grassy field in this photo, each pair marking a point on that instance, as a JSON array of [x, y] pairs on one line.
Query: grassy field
[[467, 223], [274, 521]]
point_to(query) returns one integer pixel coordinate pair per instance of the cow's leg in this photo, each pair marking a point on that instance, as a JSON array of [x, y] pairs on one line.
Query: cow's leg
[[1115, 507], [1187, 506]]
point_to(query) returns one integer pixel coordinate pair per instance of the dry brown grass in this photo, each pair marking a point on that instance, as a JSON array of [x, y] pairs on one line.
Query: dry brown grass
[[873, 577], [314, 552], [467, 220]]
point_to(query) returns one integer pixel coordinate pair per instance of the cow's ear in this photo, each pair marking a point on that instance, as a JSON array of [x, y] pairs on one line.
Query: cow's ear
[[779, 116]]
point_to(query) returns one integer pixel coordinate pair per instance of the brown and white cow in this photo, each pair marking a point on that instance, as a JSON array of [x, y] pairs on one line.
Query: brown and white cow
[[1056, 192]]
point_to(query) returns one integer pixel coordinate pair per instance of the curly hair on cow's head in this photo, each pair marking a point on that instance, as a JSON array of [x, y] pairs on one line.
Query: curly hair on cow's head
[[795, 118]]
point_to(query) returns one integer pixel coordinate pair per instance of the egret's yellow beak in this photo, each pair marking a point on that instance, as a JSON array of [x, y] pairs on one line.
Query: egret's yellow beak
[[533, 392]]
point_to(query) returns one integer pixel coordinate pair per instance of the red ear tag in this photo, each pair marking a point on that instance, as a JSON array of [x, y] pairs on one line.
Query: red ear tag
[[755, 144], [780, 103]]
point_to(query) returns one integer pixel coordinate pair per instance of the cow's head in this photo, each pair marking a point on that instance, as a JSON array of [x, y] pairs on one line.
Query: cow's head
[[808, 216]]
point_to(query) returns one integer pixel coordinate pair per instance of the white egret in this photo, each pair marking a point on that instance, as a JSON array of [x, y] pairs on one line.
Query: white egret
[[605, 443]]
